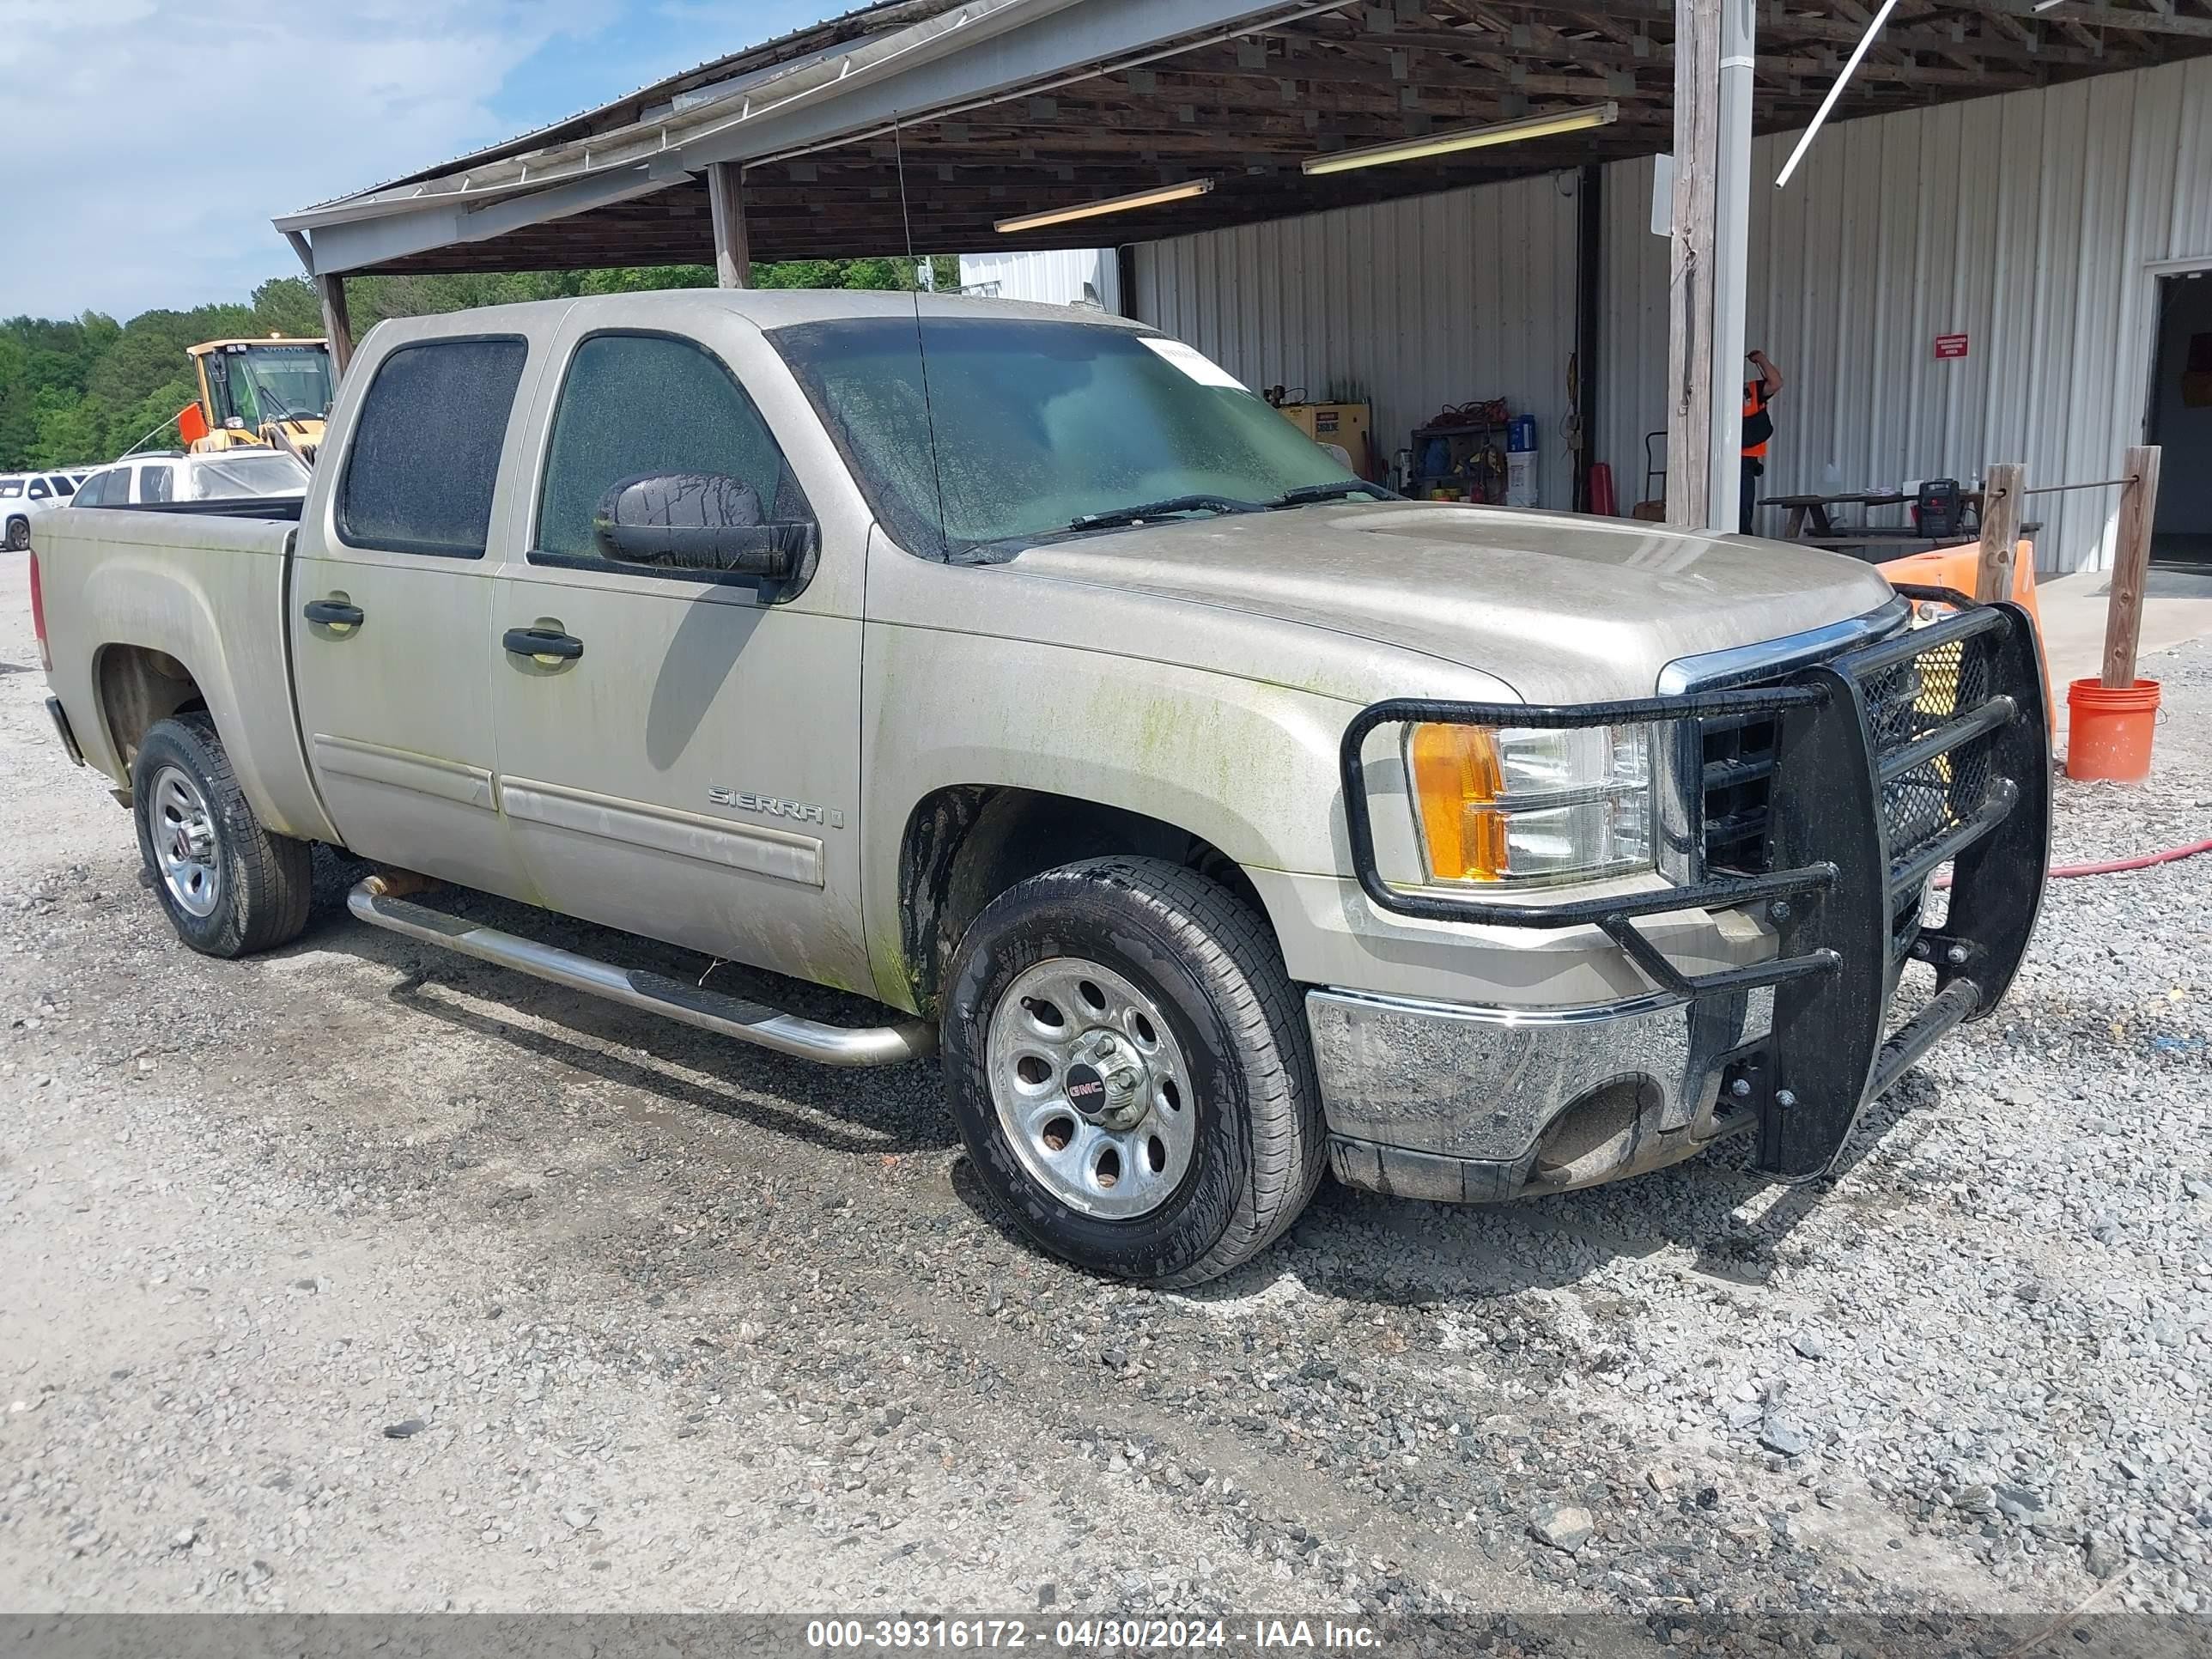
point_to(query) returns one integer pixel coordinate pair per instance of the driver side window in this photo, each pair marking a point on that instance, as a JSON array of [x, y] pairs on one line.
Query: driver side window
[[636, 405]]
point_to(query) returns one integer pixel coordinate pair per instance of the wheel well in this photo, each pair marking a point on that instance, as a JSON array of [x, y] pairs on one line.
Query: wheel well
[[137, 686], [966, 844]]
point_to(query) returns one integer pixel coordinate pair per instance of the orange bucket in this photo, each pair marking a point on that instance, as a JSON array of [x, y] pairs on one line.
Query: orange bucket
[[2109, 730]]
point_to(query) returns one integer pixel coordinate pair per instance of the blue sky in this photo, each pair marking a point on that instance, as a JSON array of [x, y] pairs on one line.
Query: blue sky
[[148, 143]]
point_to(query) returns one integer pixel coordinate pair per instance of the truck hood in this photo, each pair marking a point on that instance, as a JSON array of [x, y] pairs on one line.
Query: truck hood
[[1560, 606]]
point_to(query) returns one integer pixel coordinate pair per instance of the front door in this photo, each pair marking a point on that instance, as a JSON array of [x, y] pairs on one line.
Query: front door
[[392, 616], [676, 758]]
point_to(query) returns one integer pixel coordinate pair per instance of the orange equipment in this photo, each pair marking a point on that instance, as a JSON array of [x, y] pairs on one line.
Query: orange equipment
[[1957, 568]]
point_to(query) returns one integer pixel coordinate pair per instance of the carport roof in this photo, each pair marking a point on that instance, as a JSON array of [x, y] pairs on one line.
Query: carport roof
[[999, 107]]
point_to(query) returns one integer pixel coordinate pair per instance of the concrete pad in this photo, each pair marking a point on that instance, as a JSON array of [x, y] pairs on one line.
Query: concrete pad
[[2177, 609]]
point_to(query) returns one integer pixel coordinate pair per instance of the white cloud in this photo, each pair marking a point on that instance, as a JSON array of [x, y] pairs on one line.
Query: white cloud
[[146, 144]]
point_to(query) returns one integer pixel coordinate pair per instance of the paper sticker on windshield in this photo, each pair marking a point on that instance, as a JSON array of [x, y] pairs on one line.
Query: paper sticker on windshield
[[1196, 364]]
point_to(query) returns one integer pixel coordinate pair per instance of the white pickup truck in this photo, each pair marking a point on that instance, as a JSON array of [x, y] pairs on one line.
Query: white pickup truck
[[1222, 818]]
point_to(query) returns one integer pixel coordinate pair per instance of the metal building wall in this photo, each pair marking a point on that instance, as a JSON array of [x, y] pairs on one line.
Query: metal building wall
[[1416, 304], [1056, 279], [2027, 222]]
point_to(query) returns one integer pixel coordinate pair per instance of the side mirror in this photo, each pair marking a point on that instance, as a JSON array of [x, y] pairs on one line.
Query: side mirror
[[698, 521]]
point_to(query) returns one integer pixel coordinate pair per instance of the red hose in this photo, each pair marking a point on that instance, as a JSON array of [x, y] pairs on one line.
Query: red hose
[[2113, 867], [2110, 866]]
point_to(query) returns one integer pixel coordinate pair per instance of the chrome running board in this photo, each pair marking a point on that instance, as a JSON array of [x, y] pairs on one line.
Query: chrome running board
[[656, 994]]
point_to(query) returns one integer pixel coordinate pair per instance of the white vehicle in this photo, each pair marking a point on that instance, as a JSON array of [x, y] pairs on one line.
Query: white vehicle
[[150, 480], [24, 496]]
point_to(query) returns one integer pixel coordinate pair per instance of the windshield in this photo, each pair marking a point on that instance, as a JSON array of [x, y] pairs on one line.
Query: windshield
[[271, 383], [248, 475], [1037, 424]]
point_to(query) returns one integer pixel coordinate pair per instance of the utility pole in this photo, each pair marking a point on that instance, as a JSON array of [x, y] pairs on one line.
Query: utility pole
[[1713, 48], [725, 203]]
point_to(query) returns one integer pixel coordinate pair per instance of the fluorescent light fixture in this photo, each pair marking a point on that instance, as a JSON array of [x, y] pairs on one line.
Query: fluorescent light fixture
[[1143, 198], [1443, 143], [1820, 115]]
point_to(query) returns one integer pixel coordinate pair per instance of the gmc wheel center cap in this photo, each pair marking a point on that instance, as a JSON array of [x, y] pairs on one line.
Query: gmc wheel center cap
[[1086, 1091]]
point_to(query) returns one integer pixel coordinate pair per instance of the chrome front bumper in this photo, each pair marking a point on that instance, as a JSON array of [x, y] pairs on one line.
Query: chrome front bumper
[[1453, 1102]]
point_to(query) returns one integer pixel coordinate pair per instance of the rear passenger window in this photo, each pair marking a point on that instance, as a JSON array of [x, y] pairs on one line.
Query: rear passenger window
[[634, 404], [153, 483], [426, 442]]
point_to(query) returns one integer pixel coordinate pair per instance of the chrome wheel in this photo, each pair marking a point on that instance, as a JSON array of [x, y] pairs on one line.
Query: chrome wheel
[[184, 842], [1092, 1089]]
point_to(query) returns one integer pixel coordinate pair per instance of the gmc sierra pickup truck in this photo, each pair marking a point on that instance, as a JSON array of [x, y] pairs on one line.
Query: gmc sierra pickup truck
[[1220, 817]]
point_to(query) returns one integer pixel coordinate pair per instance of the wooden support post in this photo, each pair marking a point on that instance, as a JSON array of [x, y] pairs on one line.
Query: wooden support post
[[338, 326], [2130, 565], [726, 202], [1690, 386], [2004, 492]]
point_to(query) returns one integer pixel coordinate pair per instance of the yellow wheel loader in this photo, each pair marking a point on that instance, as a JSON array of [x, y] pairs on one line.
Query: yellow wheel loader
[[273, 393]]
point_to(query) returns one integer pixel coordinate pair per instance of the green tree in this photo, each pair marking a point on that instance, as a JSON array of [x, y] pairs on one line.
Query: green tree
[[288, 305], [151, 423], [69, 430]]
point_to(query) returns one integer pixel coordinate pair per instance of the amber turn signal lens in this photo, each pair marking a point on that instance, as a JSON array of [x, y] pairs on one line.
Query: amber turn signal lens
[[1457, 778]]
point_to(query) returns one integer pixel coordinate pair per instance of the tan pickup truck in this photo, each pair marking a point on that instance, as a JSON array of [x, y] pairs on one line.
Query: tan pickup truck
[[1220, 817]]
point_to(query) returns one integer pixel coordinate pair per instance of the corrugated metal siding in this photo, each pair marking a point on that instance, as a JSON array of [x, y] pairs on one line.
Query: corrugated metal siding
[[2025, 222], [1056, 279], [1415, 304]]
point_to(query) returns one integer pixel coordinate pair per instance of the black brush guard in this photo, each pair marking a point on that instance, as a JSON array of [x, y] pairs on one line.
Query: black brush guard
[[1928, 747]]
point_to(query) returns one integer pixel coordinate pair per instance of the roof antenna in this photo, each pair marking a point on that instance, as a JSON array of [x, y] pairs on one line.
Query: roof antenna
[[1835, 92], [920, 349]]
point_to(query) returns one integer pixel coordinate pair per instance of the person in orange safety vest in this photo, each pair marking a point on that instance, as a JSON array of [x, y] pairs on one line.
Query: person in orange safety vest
[[1758, 429]]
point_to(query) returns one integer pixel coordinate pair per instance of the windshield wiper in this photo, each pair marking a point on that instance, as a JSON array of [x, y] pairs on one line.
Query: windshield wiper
[[1329, 492], [1162, 509]]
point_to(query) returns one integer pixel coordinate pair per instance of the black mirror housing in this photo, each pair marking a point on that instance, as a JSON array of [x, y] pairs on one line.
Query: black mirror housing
[[700, 521]]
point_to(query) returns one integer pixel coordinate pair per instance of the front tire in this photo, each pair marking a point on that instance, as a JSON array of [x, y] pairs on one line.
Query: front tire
[[19, 535], [1129, 1065], [230, 886]]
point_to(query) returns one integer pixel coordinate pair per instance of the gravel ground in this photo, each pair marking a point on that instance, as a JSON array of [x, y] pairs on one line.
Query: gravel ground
[[361, 1277]]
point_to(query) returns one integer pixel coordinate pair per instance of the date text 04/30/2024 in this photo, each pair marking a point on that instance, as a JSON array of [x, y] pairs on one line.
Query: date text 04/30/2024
[[1101, 1635]]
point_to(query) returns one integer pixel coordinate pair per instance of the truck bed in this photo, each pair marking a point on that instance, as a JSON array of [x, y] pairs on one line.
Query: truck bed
[[132, 593]]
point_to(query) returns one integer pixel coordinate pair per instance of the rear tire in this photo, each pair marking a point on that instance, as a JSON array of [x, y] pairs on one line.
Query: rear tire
[[1166, 1127], [230, 886]]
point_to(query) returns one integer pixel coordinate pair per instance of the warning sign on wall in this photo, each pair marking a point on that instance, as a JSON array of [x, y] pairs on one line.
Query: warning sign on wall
[[1950, 345]]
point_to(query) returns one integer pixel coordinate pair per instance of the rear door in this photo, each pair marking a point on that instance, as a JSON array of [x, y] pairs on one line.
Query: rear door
[[690, 770], [391, 611]]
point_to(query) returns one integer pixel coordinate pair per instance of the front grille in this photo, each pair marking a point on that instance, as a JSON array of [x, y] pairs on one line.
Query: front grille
[[1737, 755], [1903, 703]]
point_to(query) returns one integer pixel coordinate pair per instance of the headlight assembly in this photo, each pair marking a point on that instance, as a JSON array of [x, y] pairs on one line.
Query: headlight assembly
[[1516, 805]]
